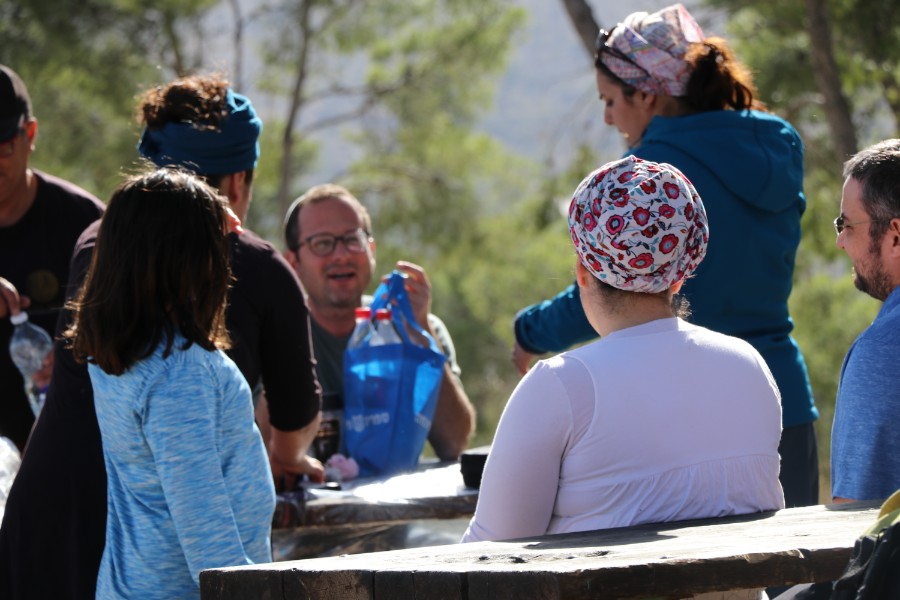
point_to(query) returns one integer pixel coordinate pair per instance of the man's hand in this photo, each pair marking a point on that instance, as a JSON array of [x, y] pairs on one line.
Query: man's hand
[[522, 358], [288, 458], [418, 288], [10, 301], [287, 476]]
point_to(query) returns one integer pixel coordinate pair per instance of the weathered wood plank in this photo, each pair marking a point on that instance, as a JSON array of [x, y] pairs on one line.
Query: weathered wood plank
[[339, 511], [671, 560]]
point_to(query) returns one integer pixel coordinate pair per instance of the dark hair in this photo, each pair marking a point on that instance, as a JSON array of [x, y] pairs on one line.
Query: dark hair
[[314, 195], [877, 169], [615, 297], [197, 99], [718, 80], [161, 266]]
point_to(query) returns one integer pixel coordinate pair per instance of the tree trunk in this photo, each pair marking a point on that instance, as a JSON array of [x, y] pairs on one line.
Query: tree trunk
[[828, 80], [585, 26], [238, 42], [286, 170], [891, 88]]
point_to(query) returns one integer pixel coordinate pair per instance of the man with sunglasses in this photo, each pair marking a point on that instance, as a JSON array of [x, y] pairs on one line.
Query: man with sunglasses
[[865, 442], [331, 248], [41, 217]]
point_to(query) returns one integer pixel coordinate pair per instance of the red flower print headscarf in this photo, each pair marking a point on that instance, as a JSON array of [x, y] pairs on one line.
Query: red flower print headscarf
[[638, 225]]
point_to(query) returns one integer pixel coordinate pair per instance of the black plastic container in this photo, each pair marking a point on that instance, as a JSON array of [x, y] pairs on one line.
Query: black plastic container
[[471, 463]]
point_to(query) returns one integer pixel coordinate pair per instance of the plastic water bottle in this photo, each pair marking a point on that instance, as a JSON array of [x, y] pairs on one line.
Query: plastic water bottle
[[28, 347], [385, 332], [363, 326]]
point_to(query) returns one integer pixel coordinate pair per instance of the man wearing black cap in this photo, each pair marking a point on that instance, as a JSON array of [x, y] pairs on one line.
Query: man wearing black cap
[[41, 217]]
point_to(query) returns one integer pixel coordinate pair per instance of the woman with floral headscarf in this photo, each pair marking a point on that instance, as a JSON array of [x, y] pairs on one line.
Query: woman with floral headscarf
[[682, 98], [659, 420]]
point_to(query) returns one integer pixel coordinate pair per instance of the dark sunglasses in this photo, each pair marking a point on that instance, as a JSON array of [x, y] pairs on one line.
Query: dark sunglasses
[[604, 47]]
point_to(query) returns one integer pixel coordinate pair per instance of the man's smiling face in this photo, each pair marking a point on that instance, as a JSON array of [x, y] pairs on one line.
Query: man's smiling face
[[339, 279]]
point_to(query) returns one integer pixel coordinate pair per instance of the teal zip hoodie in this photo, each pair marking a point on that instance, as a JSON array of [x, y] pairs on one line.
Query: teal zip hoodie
[[748, 168]]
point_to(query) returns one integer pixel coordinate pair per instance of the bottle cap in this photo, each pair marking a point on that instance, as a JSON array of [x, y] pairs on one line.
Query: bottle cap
[[383, 314], [363, 312], [19, 318]]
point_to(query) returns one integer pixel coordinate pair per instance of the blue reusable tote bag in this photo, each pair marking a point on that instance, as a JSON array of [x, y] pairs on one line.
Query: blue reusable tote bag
[[390, 391]]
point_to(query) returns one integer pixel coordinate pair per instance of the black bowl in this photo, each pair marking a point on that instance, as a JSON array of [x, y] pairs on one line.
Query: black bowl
[[471, 463]]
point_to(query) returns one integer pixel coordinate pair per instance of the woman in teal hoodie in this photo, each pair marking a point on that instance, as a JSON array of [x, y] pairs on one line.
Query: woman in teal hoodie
[[681, 98]]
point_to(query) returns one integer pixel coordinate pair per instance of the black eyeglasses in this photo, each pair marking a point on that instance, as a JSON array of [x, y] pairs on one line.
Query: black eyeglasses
[[603, 46], [840, 224], [323, 244]]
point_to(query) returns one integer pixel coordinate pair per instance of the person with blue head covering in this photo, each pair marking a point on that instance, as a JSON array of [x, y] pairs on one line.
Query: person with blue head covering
[[207, 143], [200, 124]]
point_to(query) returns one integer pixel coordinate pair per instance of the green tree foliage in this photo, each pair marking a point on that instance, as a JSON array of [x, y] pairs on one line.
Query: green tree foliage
[[83, 68], [773, 37]]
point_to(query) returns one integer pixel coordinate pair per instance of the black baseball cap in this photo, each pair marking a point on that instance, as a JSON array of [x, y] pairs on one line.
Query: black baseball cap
[[15, 105]]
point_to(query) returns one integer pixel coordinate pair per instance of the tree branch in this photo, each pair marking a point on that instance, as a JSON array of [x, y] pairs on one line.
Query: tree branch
[[585, 26]]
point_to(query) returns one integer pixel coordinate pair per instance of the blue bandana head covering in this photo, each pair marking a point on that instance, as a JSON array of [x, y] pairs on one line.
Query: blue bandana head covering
[[232, 148]]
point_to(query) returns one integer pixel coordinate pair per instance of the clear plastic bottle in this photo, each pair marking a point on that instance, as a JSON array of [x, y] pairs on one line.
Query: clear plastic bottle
[[385, 332], [28, 347], [363, 326]]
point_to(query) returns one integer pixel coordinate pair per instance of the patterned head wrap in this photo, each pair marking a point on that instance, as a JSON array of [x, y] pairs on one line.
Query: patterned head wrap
[[638, 225], [647, 51], [232, 148]]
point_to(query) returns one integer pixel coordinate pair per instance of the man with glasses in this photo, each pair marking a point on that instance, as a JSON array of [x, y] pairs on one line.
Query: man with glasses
[[865, 442], [330, 247], [41, 217]]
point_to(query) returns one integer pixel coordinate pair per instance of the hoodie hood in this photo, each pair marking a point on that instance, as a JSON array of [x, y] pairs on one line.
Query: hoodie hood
[[756, 156]]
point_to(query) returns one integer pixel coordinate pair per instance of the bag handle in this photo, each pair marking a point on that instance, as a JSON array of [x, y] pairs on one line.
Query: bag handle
[[391, 293]]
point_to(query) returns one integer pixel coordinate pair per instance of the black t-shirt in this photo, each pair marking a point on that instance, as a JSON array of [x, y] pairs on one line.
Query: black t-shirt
[[34, 257], [269, 326], [266, 318]]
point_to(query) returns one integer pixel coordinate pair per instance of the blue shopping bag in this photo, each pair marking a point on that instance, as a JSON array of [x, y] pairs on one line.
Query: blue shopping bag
[[390, 391]]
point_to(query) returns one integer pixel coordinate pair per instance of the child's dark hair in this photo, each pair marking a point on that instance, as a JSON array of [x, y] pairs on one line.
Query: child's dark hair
[[161, 267]]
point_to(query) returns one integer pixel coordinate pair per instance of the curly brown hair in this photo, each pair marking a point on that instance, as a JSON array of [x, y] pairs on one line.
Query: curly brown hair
[[197, 99], [201, 100]]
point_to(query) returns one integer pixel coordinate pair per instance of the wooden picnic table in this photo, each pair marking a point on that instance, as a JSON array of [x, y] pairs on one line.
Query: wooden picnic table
[[670, 560]]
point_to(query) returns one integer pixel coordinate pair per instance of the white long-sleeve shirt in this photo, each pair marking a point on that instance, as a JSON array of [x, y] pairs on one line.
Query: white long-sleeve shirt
[[664, 421]]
